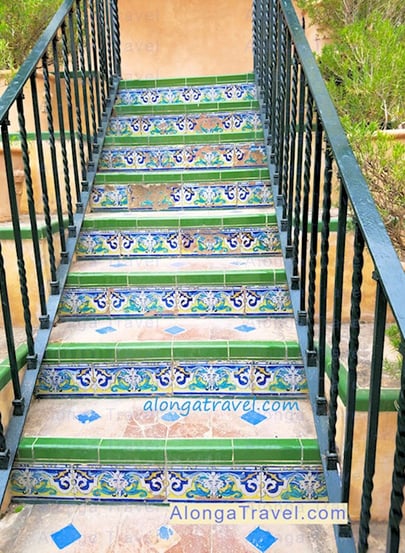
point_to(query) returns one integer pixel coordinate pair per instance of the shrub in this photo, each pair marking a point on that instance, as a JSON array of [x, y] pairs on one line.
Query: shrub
[[365, 71], [21, 24]]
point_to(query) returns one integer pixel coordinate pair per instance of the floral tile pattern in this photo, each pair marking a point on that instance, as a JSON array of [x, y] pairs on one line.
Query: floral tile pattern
[[187, 95], [176, 301], [128, 483], [193, 123], [181, 195], [149, 242], [181, 157], [172, 377]]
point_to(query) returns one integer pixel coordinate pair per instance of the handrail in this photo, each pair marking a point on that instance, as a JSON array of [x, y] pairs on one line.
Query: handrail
[[391, 274], [311, 161], [60, 128]]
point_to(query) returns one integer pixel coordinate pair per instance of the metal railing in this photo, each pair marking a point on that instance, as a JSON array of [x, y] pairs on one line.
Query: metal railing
[[315, 175], [54, 114]]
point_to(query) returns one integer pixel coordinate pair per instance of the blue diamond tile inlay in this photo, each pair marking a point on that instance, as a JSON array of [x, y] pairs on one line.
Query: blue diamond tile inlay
[[118, 264], [245, 328], [261, 539], [253, 417], [175, 330], [66, 536], [171, 417], [88, 416], [165, 532], [106, 330]]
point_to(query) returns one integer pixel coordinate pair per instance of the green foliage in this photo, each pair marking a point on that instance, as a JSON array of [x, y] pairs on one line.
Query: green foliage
[[333, 15], [365, 71], [21, 24], [394, 335], [382, 160]]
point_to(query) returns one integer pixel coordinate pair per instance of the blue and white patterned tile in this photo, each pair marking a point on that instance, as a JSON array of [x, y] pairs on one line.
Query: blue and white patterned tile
[[187, 95], [181, 196], [293, 484], [161, 242], [181, 301], [212, 377], [104, 379], [202, 484], [180, 157], [199, 123], [279, 378], [87, 482]]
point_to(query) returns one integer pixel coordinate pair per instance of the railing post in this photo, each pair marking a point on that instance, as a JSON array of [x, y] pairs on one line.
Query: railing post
[[4, 451], [116, 41]]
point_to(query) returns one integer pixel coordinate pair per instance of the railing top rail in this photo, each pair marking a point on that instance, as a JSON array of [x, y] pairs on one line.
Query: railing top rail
[[31, 62], [386, 261]]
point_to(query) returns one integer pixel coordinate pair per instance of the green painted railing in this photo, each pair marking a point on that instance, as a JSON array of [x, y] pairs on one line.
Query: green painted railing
[[54, 114], [314, 173]]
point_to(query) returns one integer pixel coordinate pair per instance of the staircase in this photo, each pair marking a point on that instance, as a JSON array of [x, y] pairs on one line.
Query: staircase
[[173, 373]]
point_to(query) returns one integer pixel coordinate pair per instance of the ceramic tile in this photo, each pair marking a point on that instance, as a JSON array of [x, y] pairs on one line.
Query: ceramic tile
[[174, 242], [178, 377], [180, 157], [294, 483], [187, 94]]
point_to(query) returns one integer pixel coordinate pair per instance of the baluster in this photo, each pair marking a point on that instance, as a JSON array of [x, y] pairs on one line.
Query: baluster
[[72, 134], [380, 314], [44, 187], [337, 322], [102, 55], [282, 192], [54, 160], [65, 164], [18, 401], [323, 284], [4, 451], [15, 218], [302, 316], [272, 78], [44, 317], [291, 164], [91, 82], [298, 182], [94, 49], [82, 71], [116, 38], [79, 126], [398, 475], [355, 312], [313, 248], [108, 42]]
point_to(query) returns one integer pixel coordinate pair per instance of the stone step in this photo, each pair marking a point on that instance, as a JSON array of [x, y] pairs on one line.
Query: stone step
[[175, 234], [169, 469], [270, 369], [77, 527]]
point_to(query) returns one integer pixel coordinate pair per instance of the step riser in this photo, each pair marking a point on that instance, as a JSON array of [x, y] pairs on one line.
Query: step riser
[[208, 94], [174, 302], [127, 483], [214, 378], [189, 124], [178, 242], [182, 157], [158, 197]]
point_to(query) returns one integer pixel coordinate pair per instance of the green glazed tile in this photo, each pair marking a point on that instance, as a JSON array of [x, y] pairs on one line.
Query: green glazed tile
[[266, 451], [122, 450], [310, 450], [200, 350], [66, 449], [143, 351], [199, 451], [25, 448]]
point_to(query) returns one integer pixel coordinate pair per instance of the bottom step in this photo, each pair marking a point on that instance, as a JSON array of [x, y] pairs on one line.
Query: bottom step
[[147, 528]]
